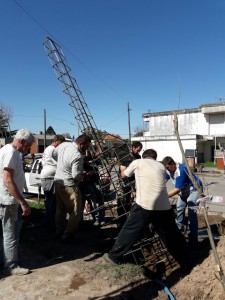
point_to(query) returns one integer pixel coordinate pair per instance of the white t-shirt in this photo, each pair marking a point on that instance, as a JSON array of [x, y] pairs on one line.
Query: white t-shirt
[[48, 163], [151, 193], [10, 158]]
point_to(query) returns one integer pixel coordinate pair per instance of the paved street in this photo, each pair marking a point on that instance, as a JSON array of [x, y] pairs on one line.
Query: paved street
[[214, 185]]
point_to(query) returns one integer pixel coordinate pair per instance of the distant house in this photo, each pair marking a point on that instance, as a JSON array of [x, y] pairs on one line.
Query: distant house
[[37, 147], [202, 130], [111, 138]]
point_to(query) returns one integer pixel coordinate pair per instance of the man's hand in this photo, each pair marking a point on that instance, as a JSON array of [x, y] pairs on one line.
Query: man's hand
[[25, 208]]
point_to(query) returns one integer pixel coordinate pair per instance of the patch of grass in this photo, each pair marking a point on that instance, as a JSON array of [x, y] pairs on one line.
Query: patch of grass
[[127, 272], [37, 205], [209, 164], [122, 273]]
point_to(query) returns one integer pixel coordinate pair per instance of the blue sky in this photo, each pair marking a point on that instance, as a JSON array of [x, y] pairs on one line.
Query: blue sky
[[138, 51]]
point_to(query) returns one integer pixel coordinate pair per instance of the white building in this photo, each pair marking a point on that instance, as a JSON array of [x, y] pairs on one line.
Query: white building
[[201, 129]]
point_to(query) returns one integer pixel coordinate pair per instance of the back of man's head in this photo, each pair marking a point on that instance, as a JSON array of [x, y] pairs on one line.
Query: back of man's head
[[167, 160], [84, 138], [24, 134], [58, 138], [150, 153]]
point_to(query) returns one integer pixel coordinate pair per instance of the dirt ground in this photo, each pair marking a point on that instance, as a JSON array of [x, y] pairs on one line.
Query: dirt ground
[[77, 270]]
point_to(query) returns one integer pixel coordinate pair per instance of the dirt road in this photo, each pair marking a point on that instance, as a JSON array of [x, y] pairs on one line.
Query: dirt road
[[77, 270]]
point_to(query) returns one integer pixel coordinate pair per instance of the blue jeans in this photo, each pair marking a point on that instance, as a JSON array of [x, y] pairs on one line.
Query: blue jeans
[[189, 202], [92, 194], [8, 216]]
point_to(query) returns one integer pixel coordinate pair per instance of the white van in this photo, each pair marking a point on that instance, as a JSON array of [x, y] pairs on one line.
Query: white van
[[33, 176]]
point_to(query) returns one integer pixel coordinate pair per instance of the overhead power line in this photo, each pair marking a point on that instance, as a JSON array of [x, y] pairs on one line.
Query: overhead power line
[[70, 52]]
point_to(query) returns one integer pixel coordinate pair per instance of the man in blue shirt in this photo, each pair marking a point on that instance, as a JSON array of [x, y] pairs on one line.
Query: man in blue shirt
[[188, 195]]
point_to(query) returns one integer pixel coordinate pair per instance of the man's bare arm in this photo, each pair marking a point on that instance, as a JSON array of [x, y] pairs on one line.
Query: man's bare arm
[[13, 190], [174, 192], [122, 169]]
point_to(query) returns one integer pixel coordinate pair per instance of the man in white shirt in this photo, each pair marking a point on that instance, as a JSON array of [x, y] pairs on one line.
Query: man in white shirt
[[47, 180], [152, 206], [69, 174], [12, 181]]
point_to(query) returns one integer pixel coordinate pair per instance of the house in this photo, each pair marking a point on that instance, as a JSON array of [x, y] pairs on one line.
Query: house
[[202, 130], [37, 147], [41, 143]]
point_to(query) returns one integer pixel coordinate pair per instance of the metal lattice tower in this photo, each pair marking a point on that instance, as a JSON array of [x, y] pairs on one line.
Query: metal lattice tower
[[120, 190], [85, 121]]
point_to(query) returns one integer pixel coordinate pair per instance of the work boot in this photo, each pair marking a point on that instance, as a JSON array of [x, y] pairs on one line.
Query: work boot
[[109, 260]]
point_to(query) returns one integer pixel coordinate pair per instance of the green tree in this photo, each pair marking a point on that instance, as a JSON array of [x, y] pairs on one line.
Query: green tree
[[5, 118], [139, 131], [66, 135]]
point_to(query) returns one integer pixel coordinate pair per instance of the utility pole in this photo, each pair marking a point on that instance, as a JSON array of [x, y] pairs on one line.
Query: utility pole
[[44, 128], [128, 111]]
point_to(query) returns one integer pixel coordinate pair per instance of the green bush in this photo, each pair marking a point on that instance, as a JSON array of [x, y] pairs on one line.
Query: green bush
[[209, 164], [36, 205]]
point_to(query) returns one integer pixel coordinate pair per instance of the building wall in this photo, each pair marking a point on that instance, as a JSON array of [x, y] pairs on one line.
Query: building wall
[[216, 124], [167, 147], [188, 123], [207, 121]]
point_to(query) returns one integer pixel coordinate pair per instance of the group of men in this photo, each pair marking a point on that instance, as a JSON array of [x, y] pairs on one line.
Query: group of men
[[61, 175], [65, 196], [152, 206]]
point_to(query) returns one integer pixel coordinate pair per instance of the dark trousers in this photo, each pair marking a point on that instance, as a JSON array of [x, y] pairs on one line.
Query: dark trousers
[[50, 201], [92, 194], [164, 224]]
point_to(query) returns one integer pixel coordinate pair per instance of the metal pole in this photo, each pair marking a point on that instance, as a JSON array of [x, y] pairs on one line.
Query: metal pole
[[44, 128], [128, 111], [219, 268], [215, 151]]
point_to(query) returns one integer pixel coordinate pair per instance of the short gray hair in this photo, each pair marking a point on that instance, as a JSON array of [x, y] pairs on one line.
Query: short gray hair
[[24, 134]]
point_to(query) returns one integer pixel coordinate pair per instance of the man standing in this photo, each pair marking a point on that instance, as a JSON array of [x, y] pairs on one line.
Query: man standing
[[152, 206], [188, 195], [69, 173], [12, 181], [47, 180]]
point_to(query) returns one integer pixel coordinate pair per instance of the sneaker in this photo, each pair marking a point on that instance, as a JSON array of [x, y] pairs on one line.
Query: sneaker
[[96, 223], [109, 260], [99, 224], [16, 271]]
